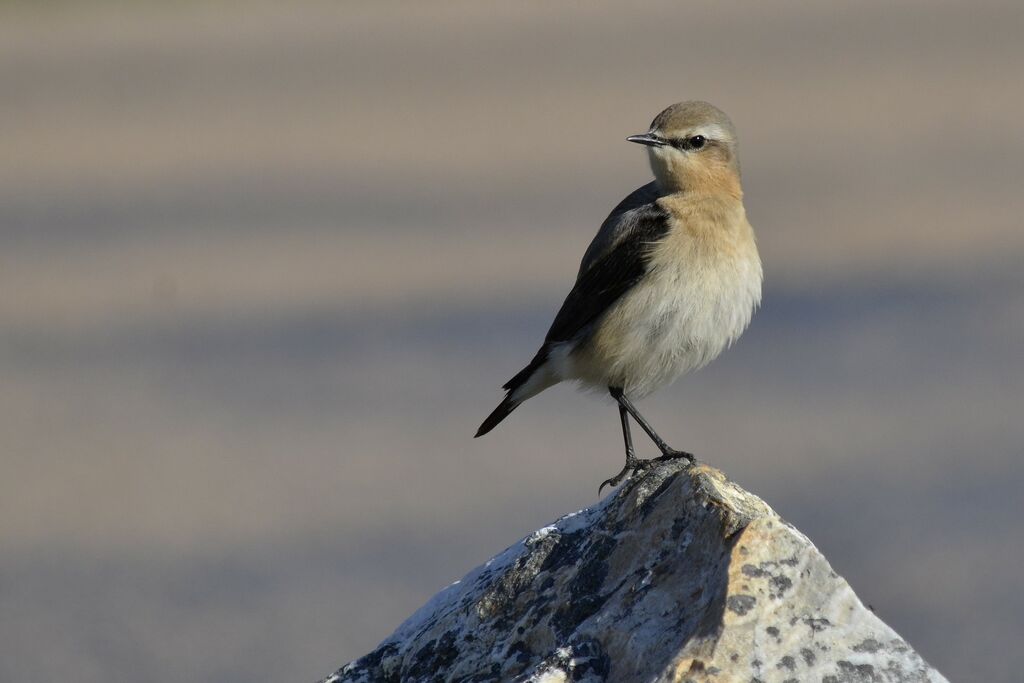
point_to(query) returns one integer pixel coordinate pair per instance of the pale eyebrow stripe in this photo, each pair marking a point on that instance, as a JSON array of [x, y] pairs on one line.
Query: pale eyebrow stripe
[[712, 131]]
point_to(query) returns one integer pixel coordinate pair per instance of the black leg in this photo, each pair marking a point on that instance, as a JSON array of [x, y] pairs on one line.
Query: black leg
[[627, 437], [627, 409], [631, 459], [667, 452]]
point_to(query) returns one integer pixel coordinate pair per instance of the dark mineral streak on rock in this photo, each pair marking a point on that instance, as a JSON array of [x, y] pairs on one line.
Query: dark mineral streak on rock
[[679, 576]]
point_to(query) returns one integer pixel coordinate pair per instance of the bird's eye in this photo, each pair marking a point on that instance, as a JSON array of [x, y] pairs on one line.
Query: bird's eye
[[696, 142]]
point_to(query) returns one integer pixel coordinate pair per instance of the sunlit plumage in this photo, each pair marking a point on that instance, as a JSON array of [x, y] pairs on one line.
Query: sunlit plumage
[[671, 279]]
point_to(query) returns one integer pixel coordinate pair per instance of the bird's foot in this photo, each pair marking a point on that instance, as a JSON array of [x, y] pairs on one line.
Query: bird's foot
[[673, 454], [639, 465], [632, 465]]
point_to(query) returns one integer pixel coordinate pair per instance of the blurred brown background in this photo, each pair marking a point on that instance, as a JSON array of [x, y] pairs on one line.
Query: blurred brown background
[[263, 269]]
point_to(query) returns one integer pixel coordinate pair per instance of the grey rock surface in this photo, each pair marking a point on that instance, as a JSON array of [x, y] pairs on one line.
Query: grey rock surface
[[679, 576]]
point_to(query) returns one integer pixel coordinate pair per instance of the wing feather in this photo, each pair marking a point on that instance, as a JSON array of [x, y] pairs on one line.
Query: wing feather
[[612, 273], [618, 224]]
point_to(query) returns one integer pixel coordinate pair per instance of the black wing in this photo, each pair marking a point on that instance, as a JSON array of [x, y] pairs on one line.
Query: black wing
[[610, 276], [599, 285], [619, 223]]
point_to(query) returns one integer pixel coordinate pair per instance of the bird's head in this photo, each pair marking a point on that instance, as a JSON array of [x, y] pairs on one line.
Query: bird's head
[[692, 147]]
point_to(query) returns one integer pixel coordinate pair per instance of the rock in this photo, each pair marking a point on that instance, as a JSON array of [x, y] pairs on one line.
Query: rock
[[679, 576]]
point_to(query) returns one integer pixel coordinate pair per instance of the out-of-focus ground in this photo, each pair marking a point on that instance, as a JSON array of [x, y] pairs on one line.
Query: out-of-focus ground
[[263, 268]]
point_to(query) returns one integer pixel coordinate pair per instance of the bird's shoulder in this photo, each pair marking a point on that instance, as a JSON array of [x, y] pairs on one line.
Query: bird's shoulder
[[640, 213]]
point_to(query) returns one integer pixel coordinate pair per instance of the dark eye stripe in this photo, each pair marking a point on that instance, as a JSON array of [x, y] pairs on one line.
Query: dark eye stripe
[[690, 143]]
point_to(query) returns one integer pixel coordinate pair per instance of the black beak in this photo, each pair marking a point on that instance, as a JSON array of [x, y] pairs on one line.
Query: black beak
[[648, 139]]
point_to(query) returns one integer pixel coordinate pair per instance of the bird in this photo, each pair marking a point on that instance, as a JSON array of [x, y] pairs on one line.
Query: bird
[[671, 279]]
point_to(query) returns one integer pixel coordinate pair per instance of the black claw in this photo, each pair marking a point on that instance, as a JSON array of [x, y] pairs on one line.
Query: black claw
[[613, 482], [631, 465]]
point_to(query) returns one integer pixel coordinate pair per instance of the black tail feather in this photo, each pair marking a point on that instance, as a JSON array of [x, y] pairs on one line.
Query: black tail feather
[[500, 413], [508, 405]]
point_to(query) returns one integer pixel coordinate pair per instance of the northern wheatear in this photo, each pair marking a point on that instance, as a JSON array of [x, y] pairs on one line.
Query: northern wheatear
[[671, 279]]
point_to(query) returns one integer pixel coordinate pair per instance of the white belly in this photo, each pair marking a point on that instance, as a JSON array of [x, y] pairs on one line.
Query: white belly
[[679, 318]]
